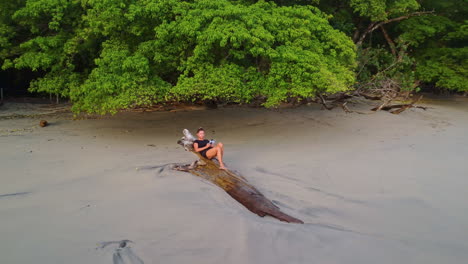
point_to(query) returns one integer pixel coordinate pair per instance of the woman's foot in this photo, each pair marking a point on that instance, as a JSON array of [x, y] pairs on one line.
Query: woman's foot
[[222, 168]]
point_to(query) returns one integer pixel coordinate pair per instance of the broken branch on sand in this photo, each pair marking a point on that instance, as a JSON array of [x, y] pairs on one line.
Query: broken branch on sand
[[386, 96], [401, 107], [235, 185]]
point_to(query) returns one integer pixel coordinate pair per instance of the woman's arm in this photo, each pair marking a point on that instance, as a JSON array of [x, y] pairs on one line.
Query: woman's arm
[[197, 149]]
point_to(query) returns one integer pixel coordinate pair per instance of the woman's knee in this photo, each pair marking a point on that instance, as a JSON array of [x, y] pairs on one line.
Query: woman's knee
[[220, 145], [212, 153]]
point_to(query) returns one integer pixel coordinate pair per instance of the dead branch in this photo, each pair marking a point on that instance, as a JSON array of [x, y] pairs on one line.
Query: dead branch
[[345, 108], [324, 103], [370, 97]]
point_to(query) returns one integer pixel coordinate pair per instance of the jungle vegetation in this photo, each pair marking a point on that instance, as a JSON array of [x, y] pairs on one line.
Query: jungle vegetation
[[107, 55]]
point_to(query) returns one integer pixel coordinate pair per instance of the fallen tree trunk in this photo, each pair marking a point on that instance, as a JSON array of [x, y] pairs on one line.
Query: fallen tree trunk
[[401, 107], [235, 185]]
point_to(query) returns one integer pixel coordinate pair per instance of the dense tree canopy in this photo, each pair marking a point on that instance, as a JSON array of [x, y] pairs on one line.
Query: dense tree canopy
[[107, 55], [438, 44]]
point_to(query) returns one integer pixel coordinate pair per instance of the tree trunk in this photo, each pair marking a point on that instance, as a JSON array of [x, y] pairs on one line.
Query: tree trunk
[[390, 42], [235, 185]]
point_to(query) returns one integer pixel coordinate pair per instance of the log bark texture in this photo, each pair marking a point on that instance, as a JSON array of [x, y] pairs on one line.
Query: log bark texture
[[235, 185]]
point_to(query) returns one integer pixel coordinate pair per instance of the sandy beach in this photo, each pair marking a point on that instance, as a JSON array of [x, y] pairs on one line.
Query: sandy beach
[[371, 188]]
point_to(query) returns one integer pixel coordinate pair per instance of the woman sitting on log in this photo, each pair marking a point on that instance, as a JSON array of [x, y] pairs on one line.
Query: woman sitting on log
[[207, 148]]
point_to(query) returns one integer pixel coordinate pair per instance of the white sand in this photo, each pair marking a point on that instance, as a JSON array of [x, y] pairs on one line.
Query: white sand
[[377, 188]]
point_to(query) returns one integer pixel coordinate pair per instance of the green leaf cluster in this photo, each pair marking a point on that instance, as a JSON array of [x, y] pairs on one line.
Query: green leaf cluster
[[429, 49], [439, 44], [107, 55]]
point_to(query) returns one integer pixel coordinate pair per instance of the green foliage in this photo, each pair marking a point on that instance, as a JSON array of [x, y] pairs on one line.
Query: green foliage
[[428, 48], [8, 28], [445, 67], [107, 55], [439, 44], [380, 10], [380, 69], [119, 80], [238, 52]]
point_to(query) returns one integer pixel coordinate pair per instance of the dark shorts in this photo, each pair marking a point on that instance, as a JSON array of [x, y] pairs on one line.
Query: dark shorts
[[203, 152]]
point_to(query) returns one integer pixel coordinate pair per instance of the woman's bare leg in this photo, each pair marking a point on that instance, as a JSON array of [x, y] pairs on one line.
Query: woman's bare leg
[[220, 147], [217, 151], [220, 158]]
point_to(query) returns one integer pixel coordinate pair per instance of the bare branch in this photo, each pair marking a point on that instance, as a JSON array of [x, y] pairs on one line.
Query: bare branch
[[374, 26]]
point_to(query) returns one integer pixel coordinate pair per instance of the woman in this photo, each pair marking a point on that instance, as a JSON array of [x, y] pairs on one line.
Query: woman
[[208, 150]]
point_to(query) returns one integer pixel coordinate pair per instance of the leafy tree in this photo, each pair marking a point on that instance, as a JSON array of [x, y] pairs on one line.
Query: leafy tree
[[439, 44], [406, 42], [107, 55], [238, 52], [46, 43], [112, 54]]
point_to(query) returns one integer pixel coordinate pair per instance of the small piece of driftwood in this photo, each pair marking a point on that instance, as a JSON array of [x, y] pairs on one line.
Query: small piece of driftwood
[[235, 185], [43, 123]]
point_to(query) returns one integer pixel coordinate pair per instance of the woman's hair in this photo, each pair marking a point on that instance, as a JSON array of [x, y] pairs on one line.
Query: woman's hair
[[200, 129]]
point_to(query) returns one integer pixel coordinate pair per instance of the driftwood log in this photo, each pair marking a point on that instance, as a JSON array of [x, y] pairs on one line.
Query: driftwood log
[[399, 107], [330, 102], [235, 185]]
